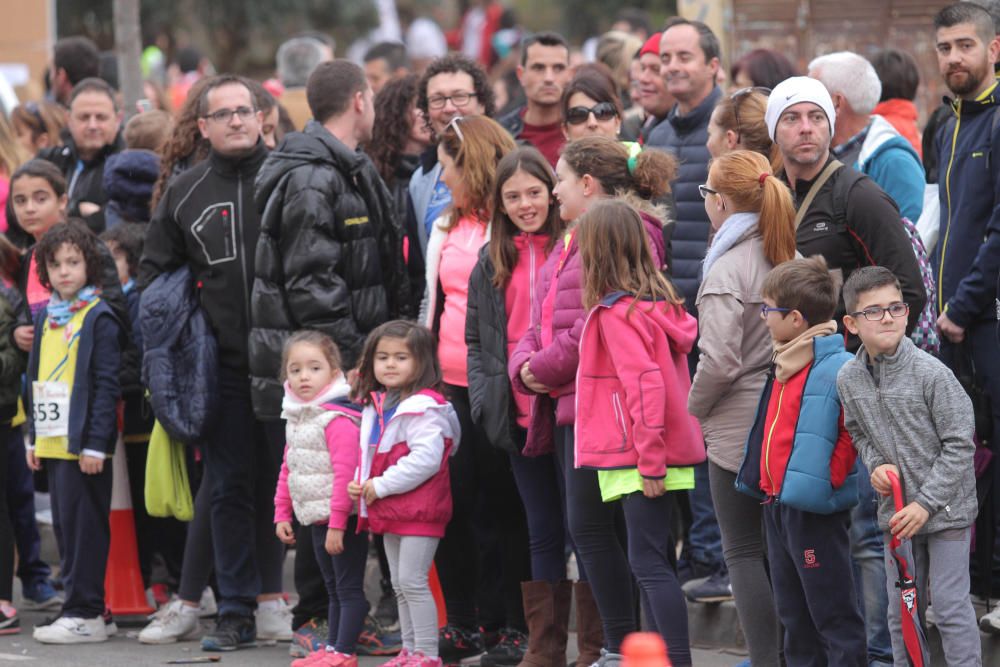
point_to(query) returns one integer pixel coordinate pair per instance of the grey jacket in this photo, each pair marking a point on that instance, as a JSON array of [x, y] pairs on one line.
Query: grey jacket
[[910, 410], [421, 188]]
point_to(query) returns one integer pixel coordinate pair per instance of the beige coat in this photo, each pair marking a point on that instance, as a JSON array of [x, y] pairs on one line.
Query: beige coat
[[735, 349]]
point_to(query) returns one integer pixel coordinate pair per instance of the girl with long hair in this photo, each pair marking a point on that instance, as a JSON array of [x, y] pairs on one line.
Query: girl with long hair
[[737, 123]]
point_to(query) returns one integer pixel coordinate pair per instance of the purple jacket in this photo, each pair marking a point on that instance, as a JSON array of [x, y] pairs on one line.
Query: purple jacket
[[555, 365]]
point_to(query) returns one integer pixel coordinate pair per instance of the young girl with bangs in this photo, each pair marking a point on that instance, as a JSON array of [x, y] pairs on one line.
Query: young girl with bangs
[[525, 227]]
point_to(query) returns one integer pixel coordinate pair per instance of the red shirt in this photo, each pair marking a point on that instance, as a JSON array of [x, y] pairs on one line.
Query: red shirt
[[548, 139]]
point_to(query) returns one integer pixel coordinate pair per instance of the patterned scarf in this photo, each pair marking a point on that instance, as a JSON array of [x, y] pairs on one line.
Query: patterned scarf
[[60, 312]]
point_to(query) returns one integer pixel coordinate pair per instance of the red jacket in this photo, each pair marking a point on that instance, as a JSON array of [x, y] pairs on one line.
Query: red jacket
[[632, 387]]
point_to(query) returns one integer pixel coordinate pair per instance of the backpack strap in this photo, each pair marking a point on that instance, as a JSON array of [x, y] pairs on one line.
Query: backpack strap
[[841, 193], [815, 188]]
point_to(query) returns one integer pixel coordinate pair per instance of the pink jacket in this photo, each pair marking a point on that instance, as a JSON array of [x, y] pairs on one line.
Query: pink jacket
[[555, 365], [409, 465], [632, 387]]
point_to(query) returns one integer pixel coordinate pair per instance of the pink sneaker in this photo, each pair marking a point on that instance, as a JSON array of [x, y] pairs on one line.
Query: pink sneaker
[[334, 659], [420, 660], [401, 659], [314, 659]]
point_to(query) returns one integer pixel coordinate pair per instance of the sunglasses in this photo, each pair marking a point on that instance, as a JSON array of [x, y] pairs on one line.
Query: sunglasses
[[737, 96], [453, 124], [602, 111]]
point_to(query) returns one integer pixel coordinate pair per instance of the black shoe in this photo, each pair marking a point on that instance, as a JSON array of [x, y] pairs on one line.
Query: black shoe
[[714, 589], [508, 650], [232, 631], [455, 643]]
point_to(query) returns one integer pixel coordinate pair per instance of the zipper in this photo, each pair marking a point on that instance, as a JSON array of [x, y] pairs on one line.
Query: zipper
[[770, 435], [616, 403], [947, 190], [241, 251]]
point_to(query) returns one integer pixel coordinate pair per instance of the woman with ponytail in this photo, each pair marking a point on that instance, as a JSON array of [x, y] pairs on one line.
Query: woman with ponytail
[[752, 214], [738, 124]]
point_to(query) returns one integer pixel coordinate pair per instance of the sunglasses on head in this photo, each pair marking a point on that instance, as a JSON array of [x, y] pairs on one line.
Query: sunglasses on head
[[602, 111], [737, 98]]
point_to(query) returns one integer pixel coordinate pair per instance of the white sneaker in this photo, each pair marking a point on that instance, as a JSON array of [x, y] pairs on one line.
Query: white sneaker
[[991, 622], [170, 625], [207, 606], [69, 630], [275, 624]]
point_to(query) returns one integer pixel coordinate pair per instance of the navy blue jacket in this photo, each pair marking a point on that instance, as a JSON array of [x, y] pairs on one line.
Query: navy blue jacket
[[685, 137], [967, 257], [93, 402]]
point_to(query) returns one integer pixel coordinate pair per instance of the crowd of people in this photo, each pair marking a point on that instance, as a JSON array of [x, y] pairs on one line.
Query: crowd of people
[[688, 336]]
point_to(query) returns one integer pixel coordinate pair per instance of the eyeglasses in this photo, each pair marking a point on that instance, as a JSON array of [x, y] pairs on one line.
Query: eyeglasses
[[453, 124], [739, 95], [877, 313], [226, 115], [458, 99], [765, 309], [602, 111], [704, 191]]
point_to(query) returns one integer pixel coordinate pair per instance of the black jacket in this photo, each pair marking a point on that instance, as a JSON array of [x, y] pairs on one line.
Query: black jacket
[[866, 232], [330, 255], [486, 336], [402, 206], [88, 185], [12, 359], [208, 221]]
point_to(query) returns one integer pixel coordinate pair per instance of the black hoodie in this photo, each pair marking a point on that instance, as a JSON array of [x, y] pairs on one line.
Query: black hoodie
[[330, 255]]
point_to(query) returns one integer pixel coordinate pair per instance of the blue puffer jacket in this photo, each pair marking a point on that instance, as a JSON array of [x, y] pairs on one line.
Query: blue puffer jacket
[[685, 137], [889, 160], [806, 485], [180, 361], [967, 256]]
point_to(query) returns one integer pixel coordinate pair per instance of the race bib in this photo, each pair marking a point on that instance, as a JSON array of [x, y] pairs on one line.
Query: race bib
[[50, 408]]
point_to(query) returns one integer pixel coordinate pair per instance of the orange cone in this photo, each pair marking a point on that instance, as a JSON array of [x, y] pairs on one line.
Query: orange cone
[[123, 591], [644, 649], [435, 584]]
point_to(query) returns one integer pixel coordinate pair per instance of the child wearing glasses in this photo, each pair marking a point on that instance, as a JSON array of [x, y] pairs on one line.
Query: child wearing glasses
[[908, 415], [800, 463]]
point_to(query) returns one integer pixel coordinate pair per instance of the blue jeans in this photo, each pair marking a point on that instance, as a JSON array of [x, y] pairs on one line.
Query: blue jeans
[[867, 552], [704, 538]]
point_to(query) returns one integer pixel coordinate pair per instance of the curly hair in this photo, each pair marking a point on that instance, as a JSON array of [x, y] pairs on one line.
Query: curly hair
[[74, 233], [392, 125], [185, 142], [129, 237], [476, 151], [451, 64]]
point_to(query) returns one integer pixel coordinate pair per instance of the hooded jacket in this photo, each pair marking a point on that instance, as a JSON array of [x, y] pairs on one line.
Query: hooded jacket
[[409, 465], [908, 409], [330, 255], [632, 387], [129, 178], [88, 184], [888, 159], [902, 114], [207, 220], [967, 256]]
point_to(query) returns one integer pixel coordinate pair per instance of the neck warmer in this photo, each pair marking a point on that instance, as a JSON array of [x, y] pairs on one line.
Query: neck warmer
[[796, 354], [60, 312]]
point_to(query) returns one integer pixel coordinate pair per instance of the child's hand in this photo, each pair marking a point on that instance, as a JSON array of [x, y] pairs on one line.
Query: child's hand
[[283, 529], [368, 492], [880, 481], [33, 462], [354, 490], [653, 488], [531, 382], [907, 521], [334, 541], [24, 335], [91, 465]]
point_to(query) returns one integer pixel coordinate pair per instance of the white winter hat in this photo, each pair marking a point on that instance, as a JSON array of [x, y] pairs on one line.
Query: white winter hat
[[792, 91]]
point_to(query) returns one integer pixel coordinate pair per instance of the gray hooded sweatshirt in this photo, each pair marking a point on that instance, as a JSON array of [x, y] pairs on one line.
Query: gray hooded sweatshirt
[[909, 409]]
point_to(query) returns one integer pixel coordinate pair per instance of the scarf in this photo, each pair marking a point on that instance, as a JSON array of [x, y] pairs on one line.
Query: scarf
[[61, 312], [729, 234], [796, 354]]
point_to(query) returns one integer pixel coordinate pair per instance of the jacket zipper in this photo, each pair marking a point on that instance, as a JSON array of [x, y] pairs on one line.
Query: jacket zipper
[[770, 435], [616, 403], [947, 190]]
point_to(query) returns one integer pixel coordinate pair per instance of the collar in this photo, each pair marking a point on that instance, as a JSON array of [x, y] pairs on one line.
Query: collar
[[115, 146], [796, 354], [293, 406], [987, 100], [852, 144], [699, 115], [234, 167]]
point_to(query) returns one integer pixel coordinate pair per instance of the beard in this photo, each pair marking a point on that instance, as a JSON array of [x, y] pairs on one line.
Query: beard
[[971, 82]]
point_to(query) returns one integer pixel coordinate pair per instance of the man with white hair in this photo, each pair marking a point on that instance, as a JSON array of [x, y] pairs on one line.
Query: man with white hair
[[869, 143], [296, 60]]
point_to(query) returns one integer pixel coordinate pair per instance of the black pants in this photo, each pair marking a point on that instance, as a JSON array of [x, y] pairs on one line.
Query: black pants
[[20, 498], [813, 581], [313, 599], [487, 534], [80, 507], [344, 575], [6, 527]]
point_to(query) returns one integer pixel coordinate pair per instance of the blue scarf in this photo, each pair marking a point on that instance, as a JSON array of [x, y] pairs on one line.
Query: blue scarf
[[61, 312], [729, 234]]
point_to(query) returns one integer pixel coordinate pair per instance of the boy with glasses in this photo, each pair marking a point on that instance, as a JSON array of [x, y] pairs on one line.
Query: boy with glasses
[[908, 415]]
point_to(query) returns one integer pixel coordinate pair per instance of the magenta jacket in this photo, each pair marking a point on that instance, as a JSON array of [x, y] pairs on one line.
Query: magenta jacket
[[632, 388], [555, 365]]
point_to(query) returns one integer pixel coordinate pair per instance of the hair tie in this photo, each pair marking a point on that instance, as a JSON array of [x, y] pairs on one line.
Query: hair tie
[[762, 178], [632, 162]]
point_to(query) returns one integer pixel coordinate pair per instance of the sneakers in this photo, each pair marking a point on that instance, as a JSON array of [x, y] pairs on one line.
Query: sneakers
[[714, 589], [376, 640], [71, 630], [420, 660], [455, 643], [274, 623], [170, 624], [609, 659], [991, 622], [508, 650], [207, 607], [231, 632], [110, 627], [10, 623], [400, 660], [326, 658], [40, 596], [309, 638]]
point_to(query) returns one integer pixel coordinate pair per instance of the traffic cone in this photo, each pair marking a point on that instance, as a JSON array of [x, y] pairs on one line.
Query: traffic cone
[[644, 649], [123, 591], [435, 584]]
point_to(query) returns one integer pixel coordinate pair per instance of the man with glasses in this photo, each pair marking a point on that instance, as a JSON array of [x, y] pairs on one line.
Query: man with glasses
[[208, 221], [544, 73]]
